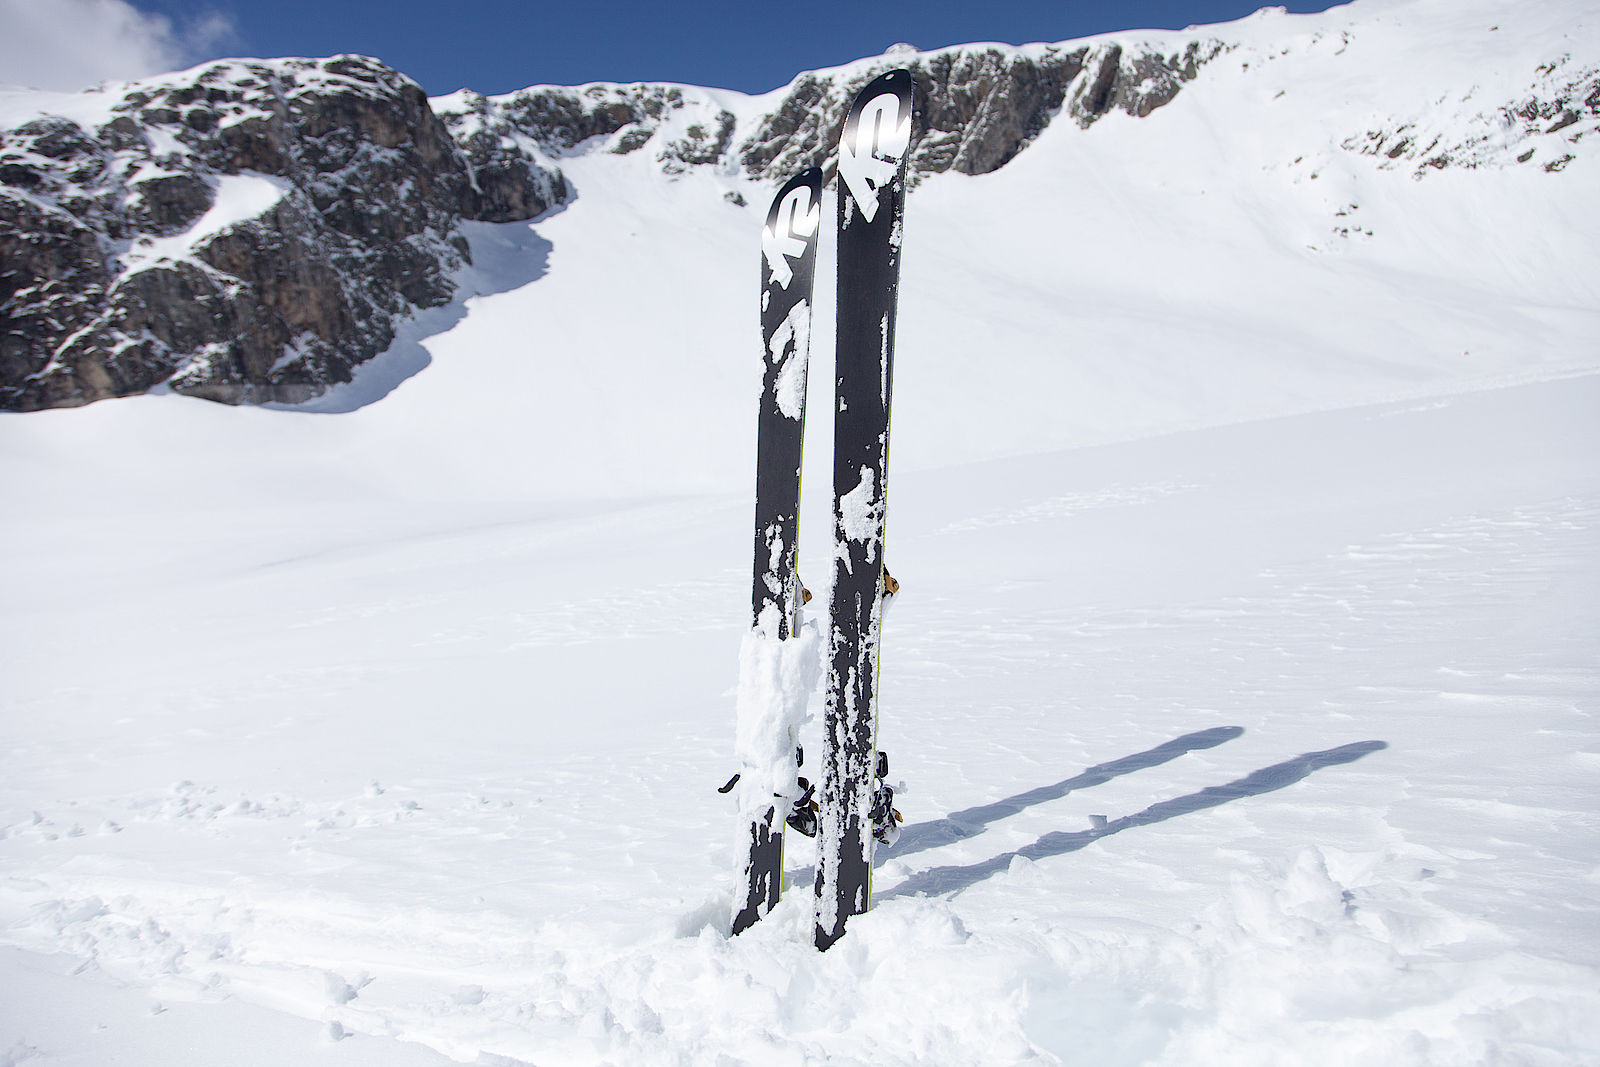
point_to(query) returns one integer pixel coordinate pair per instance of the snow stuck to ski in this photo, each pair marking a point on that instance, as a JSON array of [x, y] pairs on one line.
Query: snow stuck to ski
[[861, 513], [791, 341], [776, 680]]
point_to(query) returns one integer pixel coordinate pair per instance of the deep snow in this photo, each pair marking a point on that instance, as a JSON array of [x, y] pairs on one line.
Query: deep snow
[[1242, 678]]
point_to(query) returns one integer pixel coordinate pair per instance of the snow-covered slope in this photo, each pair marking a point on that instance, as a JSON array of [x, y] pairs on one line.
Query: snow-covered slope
[[1235, 254], [448, 778], [1242, 678], [1272, 240]]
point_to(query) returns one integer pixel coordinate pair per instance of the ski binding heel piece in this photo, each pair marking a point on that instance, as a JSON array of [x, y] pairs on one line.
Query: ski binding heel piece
[[803, 817], [884, 818]]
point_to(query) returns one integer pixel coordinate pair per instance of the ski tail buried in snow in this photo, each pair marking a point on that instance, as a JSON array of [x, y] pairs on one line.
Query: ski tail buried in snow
[[873, 153], [774, 676]]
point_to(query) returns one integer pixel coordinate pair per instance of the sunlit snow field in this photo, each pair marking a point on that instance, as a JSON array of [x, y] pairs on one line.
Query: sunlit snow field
[[1243, 682]]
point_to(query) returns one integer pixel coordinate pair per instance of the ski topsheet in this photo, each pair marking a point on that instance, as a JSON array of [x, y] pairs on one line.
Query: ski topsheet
[[788, 267], [873, 151], [779, 664]]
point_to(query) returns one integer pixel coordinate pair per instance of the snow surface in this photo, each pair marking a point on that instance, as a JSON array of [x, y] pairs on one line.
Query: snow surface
[[1242, 675]]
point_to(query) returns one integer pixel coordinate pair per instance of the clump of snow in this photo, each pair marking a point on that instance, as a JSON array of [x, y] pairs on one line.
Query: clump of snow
[[791, 344], [861, 509], [237, 198], [776, 681]]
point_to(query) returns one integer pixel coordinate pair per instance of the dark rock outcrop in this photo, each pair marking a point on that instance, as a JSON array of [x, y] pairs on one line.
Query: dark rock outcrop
[[1560, 110], [688, 130], [244, 232], [983, 105]]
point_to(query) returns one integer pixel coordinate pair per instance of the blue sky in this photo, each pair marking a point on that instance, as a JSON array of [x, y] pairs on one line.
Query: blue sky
[[495, 46]]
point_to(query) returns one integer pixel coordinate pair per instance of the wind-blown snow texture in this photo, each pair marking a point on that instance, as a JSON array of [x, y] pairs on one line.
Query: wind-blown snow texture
[[1242, 674]]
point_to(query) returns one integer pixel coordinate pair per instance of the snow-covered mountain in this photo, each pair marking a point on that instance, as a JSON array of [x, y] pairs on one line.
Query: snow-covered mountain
[[245, 231], [1242, 678], [253, 231], [303, 207]]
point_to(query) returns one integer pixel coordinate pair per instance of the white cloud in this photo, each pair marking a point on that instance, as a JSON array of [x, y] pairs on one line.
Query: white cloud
[[71, 44]]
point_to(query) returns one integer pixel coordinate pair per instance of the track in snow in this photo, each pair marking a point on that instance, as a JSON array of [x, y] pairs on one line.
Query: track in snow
[[1327, 679]]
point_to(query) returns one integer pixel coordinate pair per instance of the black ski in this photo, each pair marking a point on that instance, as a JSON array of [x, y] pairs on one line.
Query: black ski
[[789, 253], [873, 151]]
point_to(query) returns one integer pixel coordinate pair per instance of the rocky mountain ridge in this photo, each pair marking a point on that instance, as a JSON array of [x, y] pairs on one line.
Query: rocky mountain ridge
[[253, 231], [243, 232]]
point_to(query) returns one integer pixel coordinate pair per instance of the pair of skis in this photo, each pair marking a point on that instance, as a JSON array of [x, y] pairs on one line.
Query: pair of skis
[[873, 152]]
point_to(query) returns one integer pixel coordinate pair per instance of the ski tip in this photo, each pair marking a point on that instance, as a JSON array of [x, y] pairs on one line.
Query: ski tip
[[898, 83], [888, 81], [876, 141], [789, 238], [809, 178]]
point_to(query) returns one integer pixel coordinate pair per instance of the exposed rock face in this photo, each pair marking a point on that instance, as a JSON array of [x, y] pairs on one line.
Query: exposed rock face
[[1560, 109], [982, 106], [244, 232], [687, 128], [251, 231]]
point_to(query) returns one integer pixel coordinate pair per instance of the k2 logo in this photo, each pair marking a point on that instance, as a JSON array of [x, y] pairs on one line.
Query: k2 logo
[[873, 147], [790, 231]]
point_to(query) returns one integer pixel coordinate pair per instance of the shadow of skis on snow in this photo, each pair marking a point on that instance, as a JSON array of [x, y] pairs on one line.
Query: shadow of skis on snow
[[972, 821], [953, 879]]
